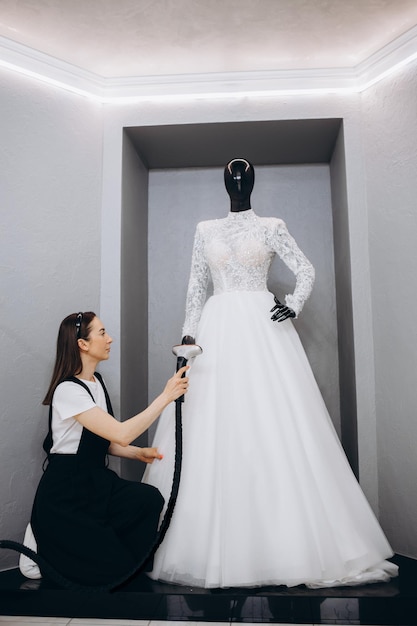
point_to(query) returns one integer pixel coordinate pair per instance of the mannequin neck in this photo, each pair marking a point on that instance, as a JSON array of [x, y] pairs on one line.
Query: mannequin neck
[[240, 205]]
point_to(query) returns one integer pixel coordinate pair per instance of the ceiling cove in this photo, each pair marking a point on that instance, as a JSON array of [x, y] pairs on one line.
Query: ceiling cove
[[37, 65]]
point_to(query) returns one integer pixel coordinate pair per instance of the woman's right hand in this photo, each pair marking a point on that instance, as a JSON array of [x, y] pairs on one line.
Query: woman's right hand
[[123, 433], [176, 385]]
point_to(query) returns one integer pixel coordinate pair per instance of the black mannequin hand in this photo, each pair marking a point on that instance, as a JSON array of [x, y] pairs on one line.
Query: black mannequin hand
[[188, 340], [282, 311]]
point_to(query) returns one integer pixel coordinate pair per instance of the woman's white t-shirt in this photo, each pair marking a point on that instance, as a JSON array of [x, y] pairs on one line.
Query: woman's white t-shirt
[[71, 399]]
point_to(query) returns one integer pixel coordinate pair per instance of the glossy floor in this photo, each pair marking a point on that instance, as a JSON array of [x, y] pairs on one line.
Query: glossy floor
[[47, 621], [148, 603], [61, 621]]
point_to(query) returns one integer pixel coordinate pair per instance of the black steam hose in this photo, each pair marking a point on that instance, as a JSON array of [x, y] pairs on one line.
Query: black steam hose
[[61, 580]]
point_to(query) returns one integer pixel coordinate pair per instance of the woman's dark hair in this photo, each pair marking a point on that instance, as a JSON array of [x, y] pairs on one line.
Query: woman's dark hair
[[68, 361]]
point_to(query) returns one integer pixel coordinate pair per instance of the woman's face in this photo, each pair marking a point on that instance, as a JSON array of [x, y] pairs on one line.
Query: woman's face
[[98, 341]]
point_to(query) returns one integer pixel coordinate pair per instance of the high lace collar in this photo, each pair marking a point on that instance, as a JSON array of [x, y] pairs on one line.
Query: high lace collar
[[241, 215]]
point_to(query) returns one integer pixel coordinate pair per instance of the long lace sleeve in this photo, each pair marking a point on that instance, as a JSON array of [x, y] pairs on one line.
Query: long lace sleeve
[[197, 286], [285, 246]]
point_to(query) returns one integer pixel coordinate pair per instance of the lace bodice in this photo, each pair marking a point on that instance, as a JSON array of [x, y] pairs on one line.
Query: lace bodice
[[237, 252]]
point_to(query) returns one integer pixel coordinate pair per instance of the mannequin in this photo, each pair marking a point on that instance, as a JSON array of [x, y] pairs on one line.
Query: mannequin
[[239, 179], [267, 496]]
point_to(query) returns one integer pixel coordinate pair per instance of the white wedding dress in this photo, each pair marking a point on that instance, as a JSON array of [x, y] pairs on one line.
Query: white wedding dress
[[267, 496]]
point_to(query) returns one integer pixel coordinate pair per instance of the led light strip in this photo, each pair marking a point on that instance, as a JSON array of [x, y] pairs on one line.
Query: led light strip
[[269, 84]]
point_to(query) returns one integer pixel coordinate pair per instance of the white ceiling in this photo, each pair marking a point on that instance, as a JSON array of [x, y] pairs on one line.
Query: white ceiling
[[125, 38]]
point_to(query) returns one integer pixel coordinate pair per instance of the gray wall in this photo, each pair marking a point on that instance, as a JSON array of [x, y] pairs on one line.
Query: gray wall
[[57, 244], [178, 199], [134, 294], [346, 352], [390, 139], [50, 229]]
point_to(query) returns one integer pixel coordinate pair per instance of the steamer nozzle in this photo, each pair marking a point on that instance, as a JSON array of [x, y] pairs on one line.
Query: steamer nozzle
[[185, 352]]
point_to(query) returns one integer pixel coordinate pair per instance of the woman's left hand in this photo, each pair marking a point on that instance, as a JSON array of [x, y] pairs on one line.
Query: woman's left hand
[[148, 455]]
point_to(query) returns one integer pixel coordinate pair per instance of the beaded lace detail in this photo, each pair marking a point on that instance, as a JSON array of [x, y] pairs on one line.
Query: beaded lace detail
[[236, 252]]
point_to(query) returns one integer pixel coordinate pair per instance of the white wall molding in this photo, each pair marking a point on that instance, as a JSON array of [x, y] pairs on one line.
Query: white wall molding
[[37, 65], [388, 59]]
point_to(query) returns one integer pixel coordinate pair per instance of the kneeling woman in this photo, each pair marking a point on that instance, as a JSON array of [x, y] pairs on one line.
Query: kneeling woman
[[92, 526]]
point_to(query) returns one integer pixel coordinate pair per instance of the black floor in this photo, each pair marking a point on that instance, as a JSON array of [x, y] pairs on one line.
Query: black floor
[[392, 603]]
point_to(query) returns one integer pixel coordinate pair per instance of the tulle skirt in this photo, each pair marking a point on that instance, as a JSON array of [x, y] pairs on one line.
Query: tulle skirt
[[267, 496]]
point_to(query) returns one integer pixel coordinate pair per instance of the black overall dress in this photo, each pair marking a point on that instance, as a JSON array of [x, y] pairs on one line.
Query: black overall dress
[[91, 525]]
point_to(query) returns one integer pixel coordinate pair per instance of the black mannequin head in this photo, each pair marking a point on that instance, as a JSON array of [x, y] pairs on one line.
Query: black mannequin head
[[239, 178]]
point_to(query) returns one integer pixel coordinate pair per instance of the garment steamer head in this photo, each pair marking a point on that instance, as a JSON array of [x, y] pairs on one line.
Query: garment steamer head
[[187, 351]]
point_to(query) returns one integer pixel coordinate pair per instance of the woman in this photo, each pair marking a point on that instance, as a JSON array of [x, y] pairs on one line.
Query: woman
[[93, 527]]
